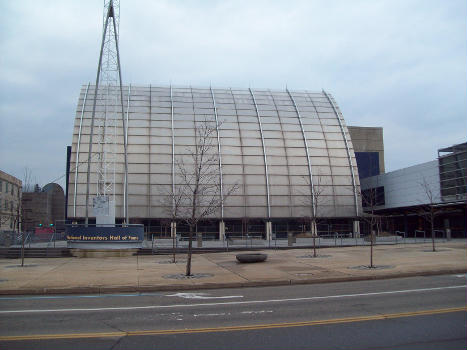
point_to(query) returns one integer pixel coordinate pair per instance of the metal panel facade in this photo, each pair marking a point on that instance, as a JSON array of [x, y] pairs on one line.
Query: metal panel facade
[[404, 187], [279, 147]]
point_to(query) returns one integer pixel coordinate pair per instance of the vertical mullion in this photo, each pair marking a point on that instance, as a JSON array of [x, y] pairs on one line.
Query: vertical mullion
[[348, 150], [77, 149], [264, 154]]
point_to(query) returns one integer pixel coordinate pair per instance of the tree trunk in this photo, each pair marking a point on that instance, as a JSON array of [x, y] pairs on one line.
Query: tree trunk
[[314, 247], [432, 229], [188, 260], [22, 249], [314, 233], [18, 228], [371, 248], [173, 245]]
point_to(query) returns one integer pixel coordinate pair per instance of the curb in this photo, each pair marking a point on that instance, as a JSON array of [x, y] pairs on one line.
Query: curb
[[182, 287]]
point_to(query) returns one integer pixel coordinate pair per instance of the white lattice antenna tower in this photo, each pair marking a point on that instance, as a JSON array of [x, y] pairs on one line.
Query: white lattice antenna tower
[[108, 91]]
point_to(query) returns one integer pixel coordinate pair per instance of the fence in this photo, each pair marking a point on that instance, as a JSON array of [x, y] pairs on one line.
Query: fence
[[32, 240], [291, 239], [325, 238]]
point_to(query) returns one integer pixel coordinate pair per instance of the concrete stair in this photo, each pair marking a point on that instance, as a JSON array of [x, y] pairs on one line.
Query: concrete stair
[[15, 253]]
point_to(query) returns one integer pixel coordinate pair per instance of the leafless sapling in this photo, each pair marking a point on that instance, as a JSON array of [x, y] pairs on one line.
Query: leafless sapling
[[369, 201], [198, 187], [314, 202], [429, 211]]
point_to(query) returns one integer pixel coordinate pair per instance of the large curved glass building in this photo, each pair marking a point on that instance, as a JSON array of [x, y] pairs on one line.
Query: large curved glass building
[[283, 149]]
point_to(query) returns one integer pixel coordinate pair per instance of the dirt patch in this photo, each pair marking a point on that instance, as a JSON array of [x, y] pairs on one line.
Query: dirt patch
[[374, 267], [182, 276]]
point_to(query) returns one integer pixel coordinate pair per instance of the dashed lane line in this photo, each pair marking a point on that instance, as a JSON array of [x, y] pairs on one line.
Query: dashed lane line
[[231, 328]]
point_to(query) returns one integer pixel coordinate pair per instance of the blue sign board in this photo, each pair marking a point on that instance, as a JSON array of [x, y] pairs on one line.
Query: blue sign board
[[104, 234]]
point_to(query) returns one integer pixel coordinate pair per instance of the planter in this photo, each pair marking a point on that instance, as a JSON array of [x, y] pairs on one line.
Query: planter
[[251, 257]]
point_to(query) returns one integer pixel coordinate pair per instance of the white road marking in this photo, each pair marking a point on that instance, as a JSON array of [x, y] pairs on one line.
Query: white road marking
[[256, 312], [234, 302], [175, 315], [202, 296], [209, 315]]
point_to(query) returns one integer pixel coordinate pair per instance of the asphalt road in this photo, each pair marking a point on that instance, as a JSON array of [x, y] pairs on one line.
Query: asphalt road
[[408, 313]]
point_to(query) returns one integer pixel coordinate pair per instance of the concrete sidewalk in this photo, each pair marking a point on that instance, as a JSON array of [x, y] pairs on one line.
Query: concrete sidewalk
[[220, 270]]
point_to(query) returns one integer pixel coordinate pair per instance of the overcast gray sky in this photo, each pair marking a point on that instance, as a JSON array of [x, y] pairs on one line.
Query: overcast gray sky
[[396, 64]]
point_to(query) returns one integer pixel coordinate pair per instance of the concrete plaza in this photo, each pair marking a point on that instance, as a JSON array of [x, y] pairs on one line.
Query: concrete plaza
[[135, 274]]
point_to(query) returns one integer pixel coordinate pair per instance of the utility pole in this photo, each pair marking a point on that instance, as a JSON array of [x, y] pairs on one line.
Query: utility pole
[[108, 90]]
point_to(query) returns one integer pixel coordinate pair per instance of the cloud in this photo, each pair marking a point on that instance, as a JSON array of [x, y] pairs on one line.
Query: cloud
[[396, 64]]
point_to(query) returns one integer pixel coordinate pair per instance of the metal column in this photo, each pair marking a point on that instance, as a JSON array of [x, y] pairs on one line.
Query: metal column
[[312, 187], [219, 155], [348, 151], [264, 154], [77, 149]]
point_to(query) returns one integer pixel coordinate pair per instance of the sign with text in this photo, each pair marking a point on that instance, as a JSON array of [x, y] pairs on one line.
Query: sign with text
[[104, 234]]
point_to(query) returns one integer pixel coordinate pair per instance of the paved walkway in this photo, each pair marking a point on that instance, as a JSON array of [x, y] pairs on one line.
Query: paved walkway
[[218, 270]]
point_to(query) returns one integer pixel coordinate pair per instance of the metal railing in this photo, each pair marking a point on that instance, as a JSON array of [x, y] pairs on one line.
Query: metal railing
[[244, 241], [254, 240], [443, 234], [416, 232], [294, 238]]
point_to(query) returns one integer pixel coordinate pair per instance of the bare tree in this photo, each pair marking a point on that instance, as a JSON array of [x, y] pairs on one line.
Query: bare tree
[[19, 214], [370, 201], [28, 180], [27, 186], [171, 203], [314, 202], [198, 193], [428, 211]]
